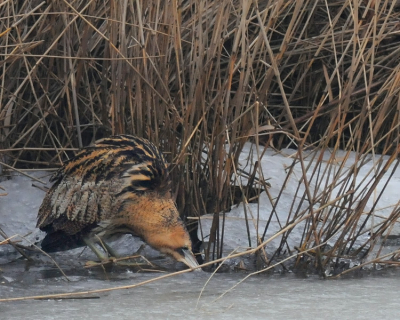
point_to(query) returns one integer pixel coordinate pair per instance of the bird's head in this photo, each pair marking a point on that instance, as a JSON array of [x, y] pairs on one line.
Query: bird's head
[[154, 218], [174, 240]]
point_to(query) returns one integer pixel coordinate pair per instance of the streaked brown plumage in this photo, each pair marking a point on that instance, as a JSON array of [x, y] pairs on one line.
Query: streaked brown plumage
[[119, 185]]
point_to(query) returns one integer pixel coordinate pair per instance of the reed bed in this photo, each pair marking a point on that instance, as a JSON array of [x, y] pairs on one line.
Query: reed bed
[[200, 79]]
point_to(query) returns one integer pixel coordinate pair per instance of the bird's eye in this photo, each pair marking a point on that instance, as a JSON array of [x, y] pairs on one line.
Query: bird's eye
[[182, 250]]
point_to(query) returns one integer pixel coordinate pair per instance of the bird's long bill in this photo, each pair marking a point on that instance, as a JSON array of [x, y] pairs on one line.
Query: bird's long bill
[[189, 259]]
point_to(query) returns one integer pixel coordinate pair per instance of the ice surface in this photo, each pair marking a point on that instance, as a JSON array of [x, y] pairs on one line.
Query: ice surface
[[19, 208], [259, 297], [275, 169]]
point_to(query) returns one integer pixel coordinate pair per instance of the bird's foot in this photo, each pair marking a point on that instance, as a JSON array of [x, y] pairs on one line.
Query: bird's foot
[[135, 261], [106, 261]]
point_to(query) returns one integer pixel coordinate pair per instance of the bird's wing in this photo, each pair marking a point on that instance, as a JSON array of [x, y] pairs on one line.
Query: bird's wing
[[94, 185], [85, 201]]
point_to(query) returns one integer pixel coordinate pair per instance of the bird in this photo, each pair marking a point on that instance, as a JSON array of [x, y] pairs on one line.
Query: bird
[[119, 185]]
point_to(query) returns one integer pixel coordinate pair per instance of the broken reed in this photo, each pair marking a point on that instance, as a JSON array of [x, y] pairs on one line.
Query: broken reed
[[201, 78]]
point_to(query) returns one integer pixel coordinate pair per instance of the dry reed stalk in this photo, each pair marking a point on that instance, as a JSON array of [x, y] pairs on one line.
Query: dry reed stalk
[[199, 79]]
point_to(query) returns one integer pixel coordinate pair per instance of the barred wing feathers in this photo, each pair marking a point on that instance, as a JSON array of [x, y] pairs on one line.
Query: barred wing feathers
[[94, 185]]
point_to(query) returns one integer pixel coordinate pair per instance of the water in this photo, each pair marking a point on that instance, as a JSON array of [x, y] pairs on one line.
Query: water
[[259, 297]]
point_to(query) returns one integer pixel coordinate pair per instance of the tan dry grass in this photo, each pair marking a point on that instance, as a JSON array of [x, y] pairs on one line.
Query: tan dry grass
[[200, 78]]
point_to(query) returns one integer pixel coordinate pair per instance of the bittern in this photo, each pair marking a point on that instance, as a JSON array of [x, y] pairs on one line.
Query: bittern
[[120, 185]]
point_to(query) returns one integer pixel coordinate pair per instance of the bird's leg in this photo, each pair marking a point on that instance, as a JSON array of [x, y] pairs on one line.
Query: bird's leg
[[110, 250], [138, 259], [102, 256], [114, 257]]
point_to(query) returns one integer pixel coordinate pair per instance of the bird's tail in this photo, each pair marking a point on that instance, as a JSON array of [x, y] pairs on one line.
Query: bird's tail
[[60, 241]]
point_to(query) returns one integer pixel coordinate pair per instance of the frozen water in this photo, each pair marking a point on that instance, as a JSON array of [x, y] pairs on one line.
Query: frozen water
[[180, 297], [274, 167], [259, 297], [19, 208]]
